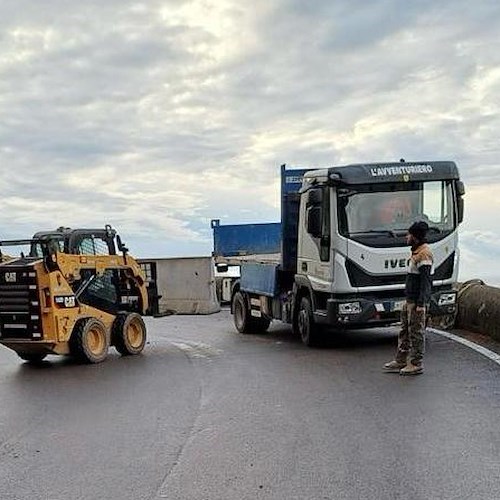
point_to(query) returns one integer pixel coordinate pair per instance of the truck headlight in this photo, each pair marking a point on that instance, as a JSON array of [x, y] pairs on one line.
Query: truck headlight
[[446, 299], [350, 308]]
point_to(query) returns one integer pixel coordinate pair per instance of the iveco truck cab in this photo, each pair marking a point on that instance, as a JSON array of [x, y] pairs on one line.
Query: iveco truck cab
[[342, 255]]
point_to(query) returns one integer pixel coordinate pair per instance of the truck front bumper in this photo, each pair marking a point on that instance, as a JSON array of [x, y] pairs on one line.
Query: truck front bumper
[[366, 312]]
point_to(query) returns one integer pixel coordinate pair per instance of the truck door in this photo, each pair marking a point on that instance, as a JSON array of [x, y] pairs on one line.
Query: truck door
[[314, 254]]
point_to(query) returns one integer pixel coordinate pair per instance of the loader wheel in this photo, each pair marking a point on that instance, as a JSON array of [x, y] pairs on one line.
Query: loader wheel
[[32, 357], [129, 334], [243, 320], [89, 341]]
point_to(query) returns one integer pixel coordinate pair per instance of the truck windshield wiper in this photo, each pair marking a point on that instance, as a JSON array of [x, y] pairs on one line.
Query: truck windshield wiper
[[376, 232]]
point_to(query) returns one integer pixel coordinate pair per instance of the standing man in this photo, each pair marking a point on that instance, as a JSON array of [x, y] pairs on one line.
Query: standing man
[[411, 341]]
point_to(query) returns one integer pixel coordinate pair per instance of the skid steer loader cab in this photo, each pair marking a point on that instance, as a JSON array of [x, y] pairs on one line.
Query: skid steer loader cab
[[72, 294]]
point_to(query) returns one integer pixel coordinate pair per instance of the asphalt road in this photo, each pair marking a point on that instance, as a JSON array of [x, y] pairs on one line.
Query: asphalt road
[[206, 413]]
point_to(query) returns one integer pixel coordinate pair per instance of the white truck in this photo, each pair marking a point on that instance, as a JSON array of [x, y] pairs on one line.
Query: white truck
[[339, 256]]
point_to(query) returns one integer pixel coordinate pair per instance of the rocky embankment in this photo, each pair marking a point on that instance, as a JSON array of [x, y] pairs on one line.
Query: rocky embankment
[[478, 309]]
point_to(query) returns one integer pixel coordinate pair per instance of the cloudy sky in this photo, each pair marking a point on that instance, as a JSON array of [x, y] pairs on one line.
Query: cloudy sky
[[157, 116]]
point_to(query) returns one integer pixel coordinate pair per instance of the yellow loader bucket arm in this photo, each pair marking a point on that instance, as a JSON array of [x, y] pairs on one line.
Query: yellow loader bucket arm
[[74, 267]]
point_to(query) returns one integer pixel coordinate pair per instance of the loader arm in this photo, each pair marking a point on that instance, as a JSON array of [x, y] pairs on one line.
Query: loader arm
[[72, 267]]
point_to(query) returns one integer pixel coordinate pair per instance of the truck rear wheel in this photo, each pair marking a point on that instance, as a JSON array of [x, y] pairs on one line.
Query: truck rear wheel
[[129, 334], [243, 320], [89, 341], [307, 328]]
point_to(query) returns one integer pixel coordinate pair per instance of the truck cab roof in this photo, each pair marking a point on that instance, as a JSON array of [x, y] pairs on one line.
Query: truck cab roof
[[369, 173]]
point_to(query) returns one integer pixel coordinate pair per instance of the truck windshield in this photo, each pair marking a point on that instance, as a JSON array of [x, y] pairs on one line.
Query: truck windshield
[[379, 215]]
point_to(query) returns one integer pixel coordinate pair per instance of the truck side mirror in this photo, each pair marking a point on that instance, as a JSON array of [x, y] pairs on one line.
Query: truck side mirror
[[314, 221], [315, 197], [460, 201], [460, 209]]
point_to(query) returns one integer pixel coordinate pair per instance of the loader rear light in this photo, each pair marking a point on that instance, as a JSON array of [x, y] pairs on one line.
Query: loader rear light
[[48, 299]]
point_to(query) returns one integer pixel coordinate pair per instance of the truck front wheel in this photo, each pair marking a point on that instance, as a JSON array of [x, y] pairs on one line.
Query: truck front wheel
[[307, 328], [243, 320]]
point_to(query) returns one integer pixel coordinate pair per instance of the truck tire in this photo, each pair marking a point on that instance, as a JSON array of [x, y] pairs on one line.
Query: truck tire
[[32, 357], [243, 320], [129, 334], [307, 328], [89, 342]]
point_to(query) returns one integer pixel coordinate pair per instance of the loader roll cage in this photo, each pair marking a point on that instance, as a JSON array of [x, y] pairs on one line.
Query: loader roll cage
[[70, 241]]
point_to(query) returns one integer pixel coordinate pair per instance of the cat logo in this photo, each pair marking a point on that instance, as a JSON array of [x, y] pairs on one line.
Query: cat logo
[[66, 301], [10, 277]]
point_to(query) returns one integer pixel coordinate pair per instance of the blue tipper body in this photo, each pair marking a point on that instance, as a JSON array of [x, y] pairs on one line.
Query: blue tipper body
[[246, 239], [259, 278]]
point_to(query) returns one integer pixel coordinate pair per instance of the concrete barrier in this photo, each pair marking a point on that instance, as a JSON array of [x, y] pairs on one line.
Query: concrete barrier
[[186, 284], [479, 308]]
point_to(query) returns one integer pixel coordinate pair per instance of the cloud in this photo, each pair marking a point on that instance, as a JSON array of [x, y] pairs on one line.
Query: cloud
[[158, 116], [479, 257]]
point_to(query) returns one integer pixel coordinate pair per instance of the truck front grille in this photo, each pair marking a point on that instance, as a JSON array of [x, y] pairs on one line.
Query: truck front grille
[[359, 278], [20, 311]]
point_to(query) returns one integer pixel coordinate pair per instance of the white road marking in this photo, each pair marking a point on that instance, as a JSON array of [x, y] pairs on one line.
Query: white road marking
[[493, 356], [197, 349]]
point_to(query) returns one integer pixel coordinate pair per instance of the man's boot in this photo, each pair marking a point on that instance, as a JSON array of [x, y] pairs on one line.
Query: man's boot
[[394, 366], [411, 369]]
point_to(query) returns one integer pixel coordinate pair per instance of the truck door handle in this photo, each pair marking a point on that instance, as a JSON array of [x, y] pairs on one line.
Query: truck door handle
[[304, 266]]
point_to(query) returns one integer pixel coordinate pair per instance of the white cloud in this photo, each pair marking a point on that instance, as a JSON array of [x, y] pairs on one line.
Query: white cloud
[[480, 252]]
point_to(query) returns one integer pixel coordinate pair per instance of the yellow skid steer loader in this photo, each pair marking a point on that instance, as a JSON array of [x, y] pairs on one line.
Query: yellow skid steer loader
[[77, 292]]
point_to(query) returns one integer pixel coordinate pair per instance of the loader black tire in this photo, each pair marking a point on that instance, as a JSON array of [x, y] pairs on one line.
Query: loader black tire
[[32, 357], [129, 334], [243, 320], [89, 342]]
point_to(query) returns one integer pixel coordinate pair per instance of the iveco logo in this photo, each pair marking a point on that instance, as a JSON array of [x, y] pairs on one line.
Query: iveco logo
[[396, 263]]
